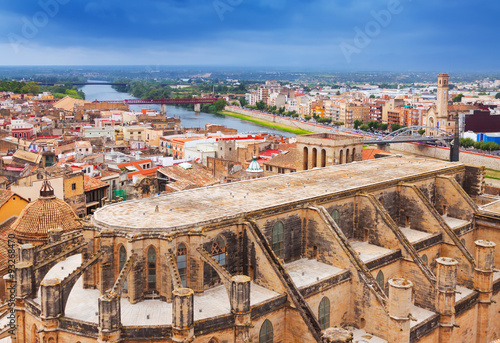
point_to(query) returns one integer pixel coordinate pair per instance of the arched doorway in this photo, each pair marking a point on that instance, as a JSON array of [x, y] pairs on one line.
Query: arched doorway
[[314, 161], [323, 158]]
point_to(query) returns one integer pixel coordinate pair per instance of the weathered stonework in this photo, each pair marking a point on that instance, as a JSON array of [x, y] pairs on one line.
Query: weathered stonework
[[381, 247]]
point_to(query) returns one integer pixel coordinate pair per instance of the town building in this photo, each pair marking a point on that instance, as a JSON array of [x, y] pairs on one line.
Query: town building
[[11, 205]]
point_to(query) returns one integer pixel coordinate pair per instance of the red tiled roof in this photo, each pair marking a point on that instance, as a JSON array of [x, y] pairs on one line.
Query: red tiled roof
[[145, 172], [91, 183], [288, 160], [369, 154], [269, 153], [134, 163]]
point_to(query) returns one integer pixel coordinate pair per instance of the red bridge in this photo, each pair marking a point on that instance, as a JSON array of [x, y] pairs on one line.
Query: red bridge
[[190, 101]]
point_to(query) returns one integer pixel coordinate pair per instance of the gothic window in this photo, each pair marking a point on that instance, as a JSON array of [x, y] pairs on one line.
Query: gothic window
[[34, 334], [182, 263], [277, 244], [336, 216], [122, 259], [219, 250], [324, 313], [380, 279], [266, 332], [151, 269], [425, 259]]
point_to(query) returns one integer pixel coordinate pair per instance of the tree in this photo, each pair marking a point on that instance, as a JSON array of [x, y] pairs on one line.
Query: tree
[[220, 104], [372, 96], [383, 127], [31, 87], [458, 98], [466, 142], [395, 127], [372, 124], [243, 102], [261, 105], [421, 132], [339, 123], [357, 123], [338, 93], [307, 117], [497, 96], [364, 127]]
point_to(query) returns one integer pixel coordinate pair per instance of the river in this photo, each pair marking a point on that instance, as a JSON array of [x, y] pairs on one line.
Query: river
[[188, 118]]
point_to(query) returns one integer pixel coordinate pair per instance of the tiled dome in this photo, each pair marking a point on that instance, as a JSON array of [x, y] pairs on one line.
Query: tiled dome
[[45, 213], [254, 166]]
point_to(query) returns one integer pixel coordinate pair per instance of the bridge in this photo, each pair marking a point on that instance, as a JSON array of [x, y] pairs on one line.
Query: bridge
[[405, 135], [411, 135], [184, 101], [82, 83]]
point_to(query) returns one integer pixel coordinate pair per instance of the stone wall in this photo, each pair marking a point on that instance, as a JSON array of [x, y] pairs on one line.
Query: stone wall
[[491, 162]]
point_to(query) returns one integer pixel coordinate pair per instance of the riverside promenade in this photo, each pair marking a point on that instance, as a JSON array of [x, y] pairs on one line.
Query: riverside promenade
[[280, 120]]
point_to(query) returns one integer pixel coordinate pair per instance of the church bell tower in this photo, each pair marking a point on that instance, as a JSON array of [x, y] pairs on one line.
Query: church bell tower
[[443, 90]]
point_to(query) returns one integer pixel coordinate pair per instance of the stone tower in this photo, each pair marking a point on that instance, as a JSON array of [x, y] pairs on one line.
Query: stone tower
[[443, 96]]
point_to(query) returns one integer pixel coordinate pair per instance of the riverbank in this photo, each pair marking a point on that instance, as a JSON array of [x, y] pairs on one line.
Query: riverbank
[[279, 120], [266, 123]]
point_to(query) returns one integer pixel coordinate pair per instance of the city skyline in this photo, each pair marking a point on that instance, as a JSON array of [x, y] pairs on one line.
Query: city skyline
[[317, 35]]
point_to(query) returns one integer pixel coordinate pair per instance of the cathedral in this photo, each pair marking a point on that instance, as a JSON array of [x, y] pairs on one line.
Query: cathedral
[[392, 250]]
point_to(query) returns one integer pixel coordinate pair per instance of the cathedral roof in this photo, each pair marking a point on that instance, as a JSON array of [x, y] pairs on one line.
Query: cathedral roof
[[207, 205], [43, 214]]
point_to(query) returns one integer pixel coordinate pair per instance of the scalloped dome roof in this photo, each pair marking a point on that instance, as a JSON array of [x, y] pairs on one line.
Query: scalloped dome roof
[[45, 213], [254, 166]]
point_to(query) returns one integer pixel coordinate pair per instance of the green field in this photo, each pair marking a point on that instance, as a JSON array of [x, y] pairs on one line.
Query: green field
[[267, 123], [492, 174]]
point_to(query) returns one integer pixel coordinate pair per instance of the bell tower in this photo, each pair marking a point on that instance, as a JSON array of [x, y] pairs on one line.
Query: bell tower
[[443, 90]]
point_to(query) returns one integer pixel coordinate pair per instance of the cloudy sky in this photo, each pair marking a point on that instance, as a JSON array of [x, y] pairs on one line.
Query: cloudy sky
[[339, 35]]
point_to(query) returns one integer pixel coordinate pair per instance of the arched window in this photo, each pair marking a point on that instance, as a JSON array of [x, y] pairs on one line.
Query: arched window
[[34, 334], [266, 332], [380, 279], [341, 159], [122, 259], [219, 250], [347, 157], [151, 269], [314, 158], [425, 259], [277, 244], [182, 263], [306, 159], [324, 313], [323, 158], [336, 216]]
